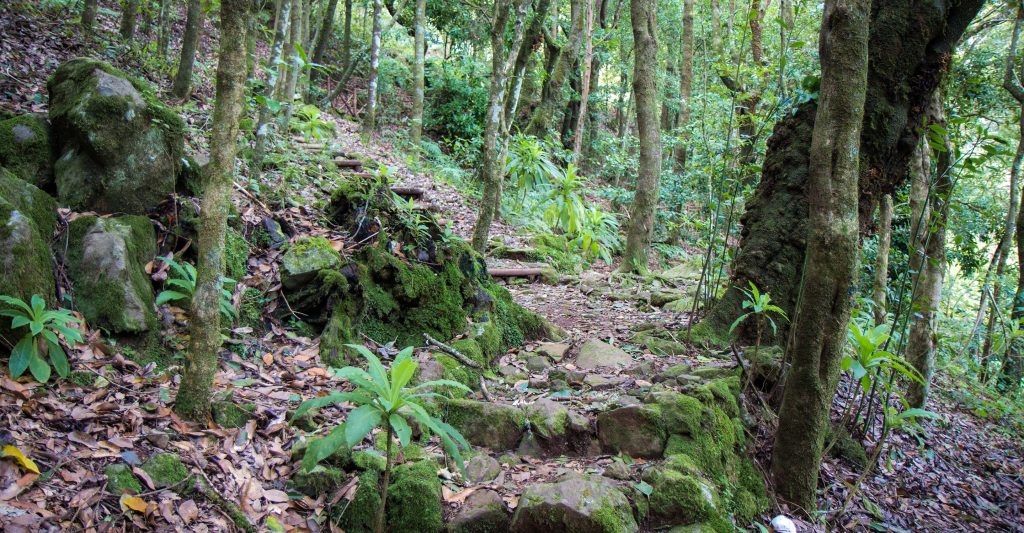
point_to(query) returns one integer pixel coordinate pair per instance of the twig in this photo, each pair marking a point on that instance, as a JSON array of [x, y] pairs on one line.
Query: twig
[[483, 389], [252, 197], [451, 351]]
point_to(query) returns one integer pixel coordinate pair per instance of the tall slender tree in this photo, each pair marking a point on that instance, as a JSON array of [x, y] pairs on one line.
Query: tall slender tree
[[266, 115], [588, 57], [823, 310], [881, 279], [370, 117], [420, 43], [685, 85], [551, 95], [645, 197], [129, 19], [194, 392], [189, 45], [89, 8]]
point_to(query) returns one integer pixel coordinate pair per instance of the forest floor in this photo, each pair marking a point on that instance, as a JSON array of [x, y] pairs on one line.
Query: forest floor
[[966, 472]]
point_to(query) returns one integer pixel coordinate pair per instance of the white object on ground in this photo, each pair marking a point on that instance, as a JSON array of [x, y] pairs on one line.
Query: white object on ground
[[782, 524]]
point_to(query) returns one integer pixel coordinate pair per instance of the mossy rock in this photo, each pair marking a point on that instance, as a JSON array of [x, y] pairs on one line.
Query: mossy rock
[[106, 260], [28, 217], [119, 149], [166, 470], [25, 149], [319, 481], [495, 426], [231, 415], [679, 498], [483, 512], [305, 258], [660, 346], [368, 460], [120, 479], [414, 499], [360, 514], [844, 446], [636, 431], [576, 504]]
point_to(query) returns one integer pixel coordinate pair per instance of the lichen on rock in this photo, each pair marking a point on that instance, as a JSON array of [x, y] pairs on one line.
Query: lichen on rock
[[25, 149], [27, 220]]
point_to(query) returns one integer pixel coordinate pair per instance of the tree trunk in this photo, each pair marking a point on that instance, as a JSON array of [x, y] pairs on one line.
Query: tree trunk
[[927, 291], [685, 85], [89, 8], [370, 119], [551, 97], [645, 197], [129, 17], [420, 43], [263, 122], [534, 34], [294, 63], [1013, 360], [325, 32], [164, 21], [189, 43], [878, 293], [194, 392], [502, 60], [346, 37], [773, 237], [820, 321], [577, 142]]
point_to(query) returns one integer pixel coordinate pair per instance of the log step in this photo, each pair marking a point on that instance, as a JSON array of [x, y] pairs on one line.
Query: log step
[[349, 163], [409, 192]]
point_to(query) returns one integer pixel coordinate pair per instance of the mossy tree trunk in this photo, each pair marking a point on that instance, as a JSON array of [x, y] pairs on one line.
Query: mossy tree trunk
[[685, 84], [881, 279], [89, 8], [502, 60], [294, 63], [645, 197], [194, 392], [773, 236], [370, 118], [129, 18], [534, 34], [263, 122], [822, 313], [1013, 361], [551, 96], [420, 43], [927, 291], [588, 58], [323, 36], [165, 18], [189, 43]]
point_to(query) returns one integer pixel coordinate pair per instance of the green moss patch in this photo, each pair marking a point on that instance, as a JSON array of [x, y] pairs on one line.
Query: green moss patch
[[120, 479]]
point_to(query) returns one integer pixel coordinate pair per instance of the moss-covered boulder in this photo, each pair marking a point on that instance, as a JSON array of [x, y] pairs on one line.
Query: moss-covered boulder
[[491, 425], [414, 499], [119, 149], [166, 470], [595, 353], [27, 220], [360, 514], [106, 260], [483, 512], [25, 149], [120, 479], [558, 430], [636, 431], [305, 258], [683, 498], [577, 504]]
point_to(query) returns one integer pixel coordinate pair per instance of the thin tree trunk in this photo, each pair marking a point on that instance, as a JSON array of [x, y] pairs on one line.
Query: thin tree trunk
[[346, 37], [927, 293], [420, 43], [89, 8], [129, 18], [266, 116], [685, 85], [189, 44], [294, 64], [502, 60], [1013, 365], [194, 392], [551, 98], [645, 197], [164, 20], [878, 293], [819, 325], [370, 120], [577, 142], [325, 32]]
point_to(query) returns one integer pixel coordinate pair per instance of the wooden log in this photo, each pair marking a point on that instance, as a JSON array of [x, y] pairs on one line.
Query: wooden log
[[409, 192], [514, 272], [349, 163]]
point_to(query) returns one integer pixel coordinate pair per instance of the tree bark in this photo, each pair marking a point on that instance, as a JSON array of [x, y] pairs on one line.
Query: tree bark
[[1013, 366], [685, 85], [502, 60], [164, 20], [265, 118], [577, 142], [773, 237], [194, 392], [370, 120], [645, 198], [881, 278], [927, 291], [129, 18], [294, 63], [189, 44], [820, 321], [325, 32], [551, 96], [420, 43], [89, 8]]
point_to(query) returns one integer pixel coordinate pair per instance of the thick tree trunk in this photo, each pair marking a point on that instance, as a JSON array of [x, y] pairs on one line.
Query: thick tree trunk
[[881, 278], [927, 291], [263, 122], [645, 73], [370, 119], [551, 97], [1013, 360], [194, 392], [685, 85], [822, 313], [909, 52], [420, 43], [89, 8], [129, 18], [502, 60], [189, 43]]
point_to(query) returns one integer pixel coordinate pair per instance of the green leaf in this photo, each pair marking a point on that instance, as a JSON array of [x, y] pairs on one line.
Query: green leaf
[[320, 449], [644, 488], [442, 383], [331, 399], [171, 296], [38, 305], [20, 356], [59, 360], [16, 302], [359, 423], [402, 370], [401, 428], [19, 321], [40, 369]]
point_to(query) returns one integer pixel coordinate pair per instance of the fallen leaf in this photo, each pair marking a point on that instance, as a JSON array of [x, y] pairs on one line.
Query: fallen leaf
[[133, 502], [275, 496], [14, 453], [188, 511]]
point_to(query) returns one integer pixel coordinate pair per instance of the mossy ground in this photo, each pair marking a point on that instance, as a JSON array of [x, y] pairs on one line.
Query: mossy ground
[[120, 479], [166, 470]]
